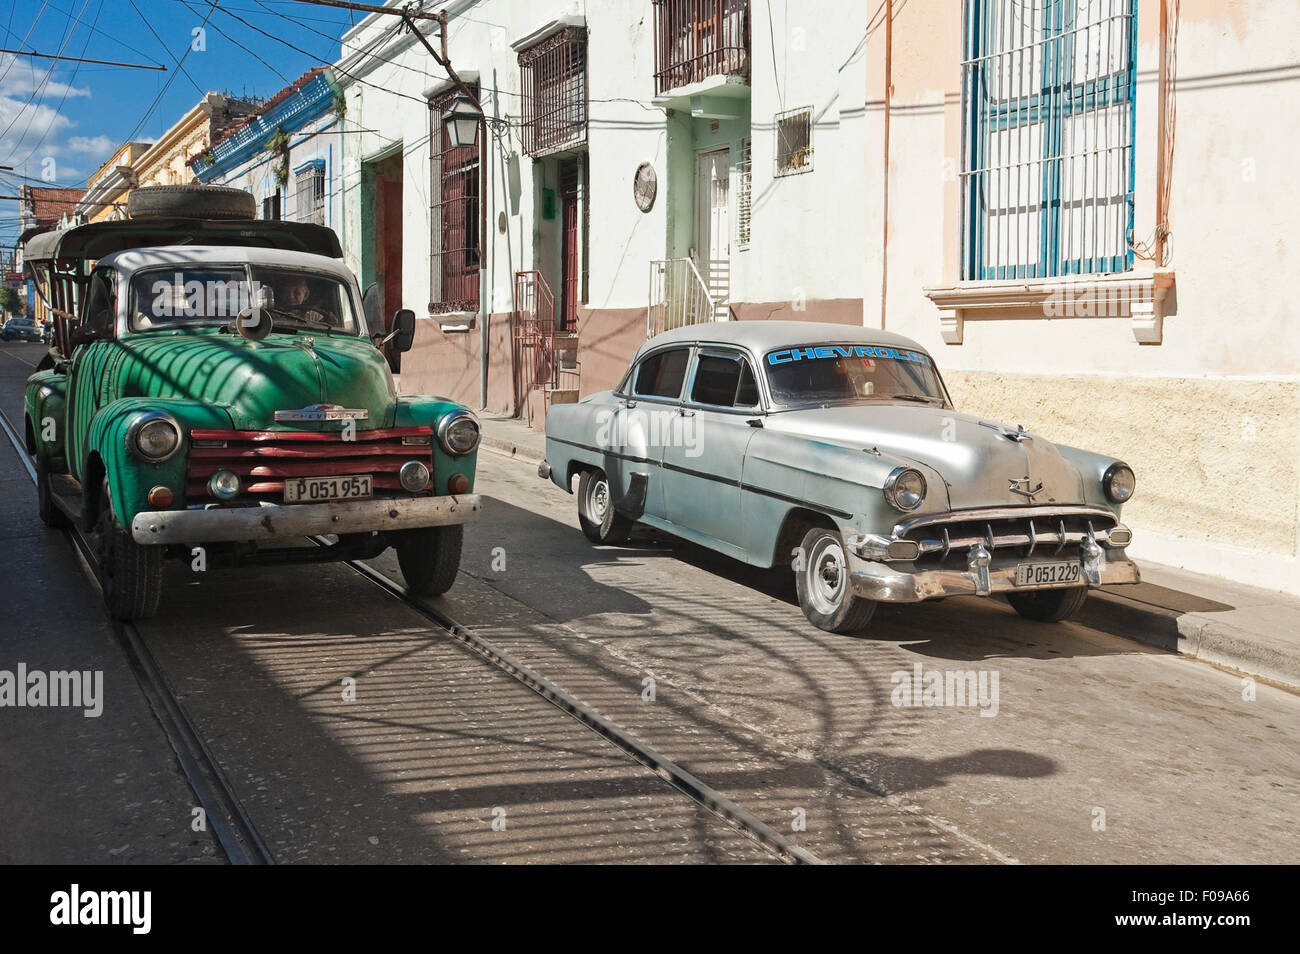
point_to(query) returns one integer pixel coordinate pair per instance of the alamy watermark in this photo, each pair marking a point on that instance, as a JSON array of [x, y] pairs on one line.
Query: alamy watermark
[[35, 689], [641, 427], [950, 688]]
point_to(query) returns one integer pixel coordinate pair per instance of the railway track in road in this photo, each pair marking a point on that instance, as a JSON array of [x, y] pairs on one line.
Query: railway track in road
[[230, 823]]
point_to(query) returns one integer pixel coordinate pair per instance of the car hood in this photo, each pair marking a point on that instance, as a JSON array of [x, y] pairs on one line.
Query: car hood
[[254, 379], [980, 461]]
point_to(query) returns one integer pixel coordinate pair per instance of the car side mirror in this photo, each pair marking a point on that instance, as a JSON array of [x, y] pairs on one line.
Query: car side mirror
[[404, 329]]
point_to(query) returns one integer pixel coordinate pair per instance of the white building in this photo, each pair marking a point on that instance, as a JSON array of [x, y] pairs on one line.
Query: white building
[[703, 136]]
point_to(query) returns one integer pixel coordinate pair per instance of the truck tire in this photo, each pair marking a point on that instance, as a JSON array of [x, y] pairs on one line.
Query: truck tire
[[596, 513], [821, 578], [191, 201], [429, 558], [130, 574], [1049, 606], [51, 515]]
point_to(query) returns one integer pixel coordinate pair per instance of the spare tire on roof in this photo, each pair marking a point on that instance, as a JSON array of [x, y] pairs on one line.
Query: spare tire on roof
[[191, 201]]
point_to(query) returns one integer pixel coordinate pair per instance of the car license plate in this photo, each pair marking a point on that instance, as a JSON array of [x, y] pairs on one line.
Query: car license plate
[[1048, 574], [320, 489]]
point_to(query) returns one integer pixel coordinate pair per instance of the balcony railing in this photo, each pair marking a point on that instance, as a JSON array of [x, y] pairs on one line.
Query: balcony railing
[[695, 39]]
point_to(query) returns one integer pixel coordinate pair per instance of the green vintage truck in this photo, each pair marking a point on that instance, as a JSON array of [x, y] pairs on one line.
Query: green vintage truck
[[219, 393]]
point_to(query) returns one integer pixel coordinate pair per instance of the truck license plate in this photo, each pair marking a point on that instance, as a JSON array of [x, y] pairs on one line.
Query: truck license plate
[[1048, 574], [321, 489]]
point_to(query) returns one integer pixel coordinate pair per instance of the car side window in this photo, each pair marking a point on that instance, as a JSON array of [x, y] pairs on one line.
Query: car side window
[[724, 380], [662, 374], [101, 301]]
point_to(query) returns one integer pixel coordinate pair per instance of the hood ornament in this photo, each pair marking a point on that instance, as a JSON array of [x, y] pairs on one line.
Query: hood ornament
[[1017, 435], [324, 412], [1022, 488]]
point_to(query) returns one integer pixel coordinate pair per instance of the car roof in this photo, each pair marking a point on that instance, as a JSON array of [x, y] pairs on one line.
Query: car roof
[[185, 255], [764, 336]]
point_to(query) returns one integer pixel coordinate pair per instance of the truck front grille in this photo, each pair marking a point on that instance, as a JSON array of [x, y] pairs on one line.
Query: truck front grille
[[264, 460]]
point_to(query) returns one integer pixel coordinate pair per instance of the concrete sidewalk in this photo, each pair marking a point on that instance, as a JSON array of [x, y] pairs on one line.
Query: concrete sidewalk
[[1254, 631]]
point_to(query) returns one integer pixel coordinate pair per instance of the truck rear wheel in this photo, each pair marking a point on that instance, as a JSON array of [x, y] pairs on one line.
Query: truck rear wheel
[[130, 574], [429, 558]]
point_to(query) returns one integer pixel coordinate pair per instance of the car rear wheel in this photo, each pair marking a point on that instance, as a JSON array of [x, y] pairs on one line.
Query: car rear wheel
[[822, 582], [430, 558], [596, 514], [130, 574], [51, 515], [1049, 606]]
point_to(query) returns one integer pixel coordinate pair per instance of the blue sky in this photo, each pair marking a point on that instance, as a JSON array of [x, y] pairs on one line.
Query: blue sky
[[65, 118]]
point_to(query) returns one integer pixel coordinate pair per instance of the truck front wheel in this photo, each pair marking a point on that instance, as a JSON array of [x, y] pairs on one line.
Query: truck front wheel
[[51, 515], [130, 574], [429, 558]]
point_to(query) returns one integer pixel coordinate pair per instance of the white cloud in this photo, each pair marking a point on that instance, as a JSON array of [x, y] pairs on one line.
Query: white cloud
[[95, 145], [34, 130]]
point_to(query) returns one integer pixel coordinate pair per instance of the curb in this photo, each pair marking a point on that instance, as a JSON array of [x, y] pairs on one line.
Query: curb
[[1189, 634], [509, 448]]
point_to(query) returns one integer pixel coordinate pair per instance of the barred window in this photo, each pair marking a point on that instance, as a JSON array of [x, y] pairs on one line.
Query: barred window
[[553, 78], [454, 215], [309, 188], [1047, 177], [271, 206], [745, 194], [794, 151]]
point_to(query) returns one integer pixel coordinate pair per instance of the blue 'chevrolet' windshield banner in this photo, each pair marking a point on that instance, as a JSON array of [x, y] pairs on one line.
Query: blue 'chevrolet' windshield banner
[[842, 351]]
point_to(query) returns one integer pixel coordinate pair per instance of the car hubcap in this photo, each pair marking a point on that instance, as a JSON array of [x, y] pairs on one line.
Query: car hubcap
[[598, 500], [826, 576]]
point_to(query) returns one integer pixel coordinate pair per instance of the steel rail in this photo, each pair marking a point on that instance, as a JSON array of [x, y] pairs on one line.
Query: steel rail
[[223, 812], [698, 791]]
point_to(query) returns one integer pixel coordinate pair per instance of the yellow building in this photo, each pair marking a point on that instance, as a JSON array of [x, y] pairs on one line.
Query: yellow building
[[164, 162]]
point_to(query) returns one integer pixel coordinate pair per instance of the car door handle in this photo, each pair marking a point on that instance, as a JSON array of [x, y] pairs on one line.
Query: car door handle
[[628, 404], [685, 413]]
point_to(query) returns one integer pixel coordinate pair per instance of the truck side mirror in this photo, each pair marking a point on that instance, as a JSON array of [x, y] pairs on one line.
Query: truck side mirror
[[404, 329]]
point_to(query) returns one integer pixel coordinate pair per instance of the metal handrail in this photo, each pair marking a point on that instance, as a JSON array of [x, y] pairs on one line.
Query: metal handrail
[[683, 296]]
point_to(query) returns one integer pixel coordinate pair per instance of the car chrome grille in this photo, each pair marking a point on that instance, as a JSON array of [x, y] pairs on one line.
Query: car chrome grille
[[1033, 531], [264, 460]]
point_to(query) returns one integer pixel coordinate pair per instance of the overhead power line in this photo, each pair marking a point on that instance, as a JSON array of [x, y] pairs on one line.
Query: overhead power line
[[80, 59]]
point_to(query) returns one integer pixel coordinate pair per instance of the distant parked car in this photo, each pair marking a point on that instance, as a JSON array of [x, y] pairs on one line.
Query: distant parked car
[[21, 329], [837, 451]]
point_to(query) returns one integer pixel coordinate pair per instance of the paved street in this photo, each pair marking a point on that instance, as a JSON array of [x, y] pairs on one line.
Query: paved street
[[1094, 748]]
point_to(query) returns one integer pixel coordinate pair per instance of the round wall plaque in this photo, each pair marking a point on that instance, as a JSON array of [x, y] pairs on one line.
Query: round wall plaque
[[645, 184]]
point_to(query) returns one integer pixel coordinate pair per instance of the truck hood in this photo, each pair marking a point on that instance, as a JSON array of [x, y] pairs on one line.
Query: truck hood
[[980, 461], [254, 379]]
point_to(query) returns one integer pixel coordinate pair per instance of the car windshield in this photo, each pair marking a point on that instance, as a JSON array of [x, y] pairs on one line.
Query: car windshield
[[839, 373], [215, 294]]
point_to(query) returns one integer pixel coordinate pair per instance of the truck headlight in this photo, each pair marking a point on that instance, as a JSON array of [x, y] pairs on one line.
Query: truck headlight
[[905, 489], [458, 433], [154, 436], [1119, 483]]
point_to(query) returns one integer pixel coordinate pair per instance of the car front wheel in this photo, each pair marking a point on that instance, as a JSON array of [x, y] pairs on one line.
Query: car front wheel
[[430, 558], [1049, 606], [822, 582], [596, 514]]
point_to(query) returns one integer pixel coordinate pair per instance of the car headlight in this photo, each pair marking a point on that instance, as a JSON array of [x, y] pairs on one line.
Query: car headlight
[[154, 436], [1119, 483], [458, 433], [905, 489]]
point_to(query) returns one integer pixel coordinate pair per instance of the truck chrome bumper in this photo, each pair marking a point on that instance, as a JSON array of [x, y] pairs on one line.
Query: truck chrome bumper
[[888, 583], [281, 522]]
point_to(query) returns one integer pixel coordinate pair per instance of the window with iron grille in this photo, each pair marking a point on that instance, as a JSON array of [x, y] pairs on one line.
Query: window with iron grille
[[794, 150], [745, 194], [271, 205], [553, 78], [309, 188], [695, 39], [454, 216], [1047, 177]]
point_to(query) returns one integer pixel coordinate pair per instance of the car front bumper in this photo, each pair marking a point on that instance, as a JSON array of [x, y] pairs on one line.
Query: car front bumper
[[281, 522], [895, 583]]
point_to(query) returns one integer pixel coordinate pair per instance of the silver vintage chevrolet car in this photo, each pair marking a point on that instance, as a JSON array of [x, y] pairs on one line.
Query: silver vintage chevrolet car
[[837, 451]]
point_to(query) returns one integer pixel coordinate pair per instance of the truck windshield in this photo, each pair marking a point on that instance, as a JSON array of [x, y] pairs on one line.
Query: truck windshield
[[832, 374], [170, 297]]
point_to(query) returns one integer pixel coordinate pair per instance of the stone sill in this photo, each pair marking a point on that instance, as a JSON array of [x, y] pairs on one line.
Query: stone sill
[[456, 322], [1137, 295]]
